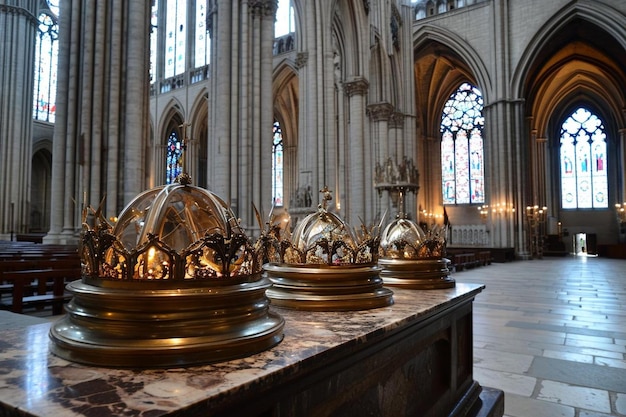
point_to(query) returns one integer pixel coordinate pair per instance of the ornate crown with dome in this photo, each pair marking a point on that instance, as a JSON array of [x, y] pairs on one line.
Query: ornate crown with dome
[[414, 258], [174, 281], [409, 256], [324, 264]]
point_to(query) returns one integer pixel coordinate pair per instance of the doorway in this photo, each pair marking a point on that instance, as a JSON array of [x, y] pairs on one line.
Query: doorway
[[584, 244]]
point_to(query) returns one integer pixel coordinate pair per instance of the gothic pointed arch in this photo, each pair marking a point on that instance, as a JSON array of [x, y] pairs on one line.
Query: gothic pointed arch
[[349, 24], [575, 65], [286, 113], [170, 160], [39, 216], [608, 32], [470, 61], [442, 64]]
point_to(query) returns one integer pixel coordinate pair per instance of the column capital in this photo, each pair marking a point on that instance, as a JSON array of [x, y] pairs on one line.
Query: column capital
[[262, 8], [356, 86], [380, 111], [396, 120]]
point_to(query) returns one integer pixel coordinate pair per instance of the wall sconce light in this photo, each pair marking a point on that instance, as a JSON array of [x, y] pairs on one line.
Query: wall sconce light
[[621, 212], [500, 209], [484, 211]]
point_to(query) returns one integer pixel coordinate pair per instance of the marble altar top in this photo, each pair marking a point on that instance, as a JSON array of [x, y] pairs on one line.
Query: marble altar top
[[35, 382]]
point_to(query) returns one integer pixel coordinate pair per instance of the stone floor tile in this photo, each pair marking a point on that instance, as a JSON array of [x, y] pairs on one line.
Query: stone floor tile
[[610, 347], [517, 406], [581, 397], [620, 403], [502, 361], [584, 413], [581, 374], [508, 382], [614, 363], [568, 356]]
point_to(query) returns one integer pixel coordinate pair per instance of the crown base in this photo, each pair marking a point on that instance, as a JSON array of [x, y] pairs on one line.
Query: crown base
[[327, 288], [112, 327], [421, 274]]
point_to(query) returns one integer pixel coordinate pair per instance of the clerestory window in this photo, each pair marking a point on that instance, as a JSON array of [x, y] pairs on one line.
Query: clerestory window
[[46, 58]]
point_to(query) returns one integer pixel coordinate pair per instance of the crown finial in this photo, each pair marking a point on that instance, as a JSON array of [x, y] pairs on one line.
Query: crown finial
[[326, 197]]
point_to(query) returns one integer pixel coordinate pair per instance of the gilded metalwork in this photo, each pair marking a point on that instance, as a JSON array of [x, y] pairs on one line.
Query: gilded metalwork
[[175, 281], [409, 256], [324, 264]]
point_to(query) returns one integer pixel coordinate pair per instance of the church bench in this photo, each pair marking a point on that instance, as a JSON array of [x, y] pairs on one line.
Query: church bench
[[464, 260], [484, 257], [39, 287]]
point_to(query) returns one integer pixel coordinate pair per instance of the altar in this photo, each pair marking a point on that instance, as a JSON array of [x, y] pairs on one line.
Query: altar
[[412, 358]]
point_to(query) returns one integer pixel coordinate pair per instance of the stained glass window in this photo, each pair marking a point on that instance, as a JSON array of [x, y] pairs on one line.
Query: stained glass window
[[175, 37], [462, 170], [174, 165], [277, 165], [584, 182], [46, 57], [154, 33], [202, 41]]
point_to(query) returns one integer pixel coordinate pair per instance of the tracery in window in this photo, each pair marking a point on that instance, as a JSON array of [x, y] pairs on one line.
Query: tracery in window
[[202, 39], [175, 37], [46, 57], [174, 163], [584, 182], [277, 166], [462, 170]]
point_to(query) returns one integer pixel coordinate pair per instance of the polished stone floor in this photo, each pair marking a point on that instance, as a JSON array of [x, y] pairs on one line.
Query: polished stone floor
[[551, 333]]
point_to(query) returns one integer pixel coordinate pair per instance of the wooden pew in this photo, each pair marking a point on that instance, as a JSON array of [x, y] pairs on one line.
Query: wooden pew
[[36, 274], [39, 279]]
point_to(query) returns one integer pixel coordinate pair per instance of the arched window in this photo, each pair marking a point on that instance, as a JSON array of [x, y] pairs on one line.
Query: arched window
[[202, 39], [277, 166], [46, 57], [584, 181], [179, 41], [284, 19], [462, 171], [175, 37], [174, 165], [154, 34]]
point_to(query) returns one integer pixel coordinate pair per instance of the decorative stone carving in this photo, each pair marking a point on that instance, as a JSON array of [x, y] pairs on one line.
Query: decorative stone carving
[[380, 111], [356, 87], [396, 120], [262, 8], [301, 198], [391, 173], [301, 59]]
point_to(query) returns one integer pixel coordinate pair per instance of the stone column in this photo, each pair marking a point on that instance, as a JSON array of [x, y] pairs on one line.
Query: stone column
[[18, 28], [102, 111], [360, 167], [223, 47], [379, 114], [241, 110]]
